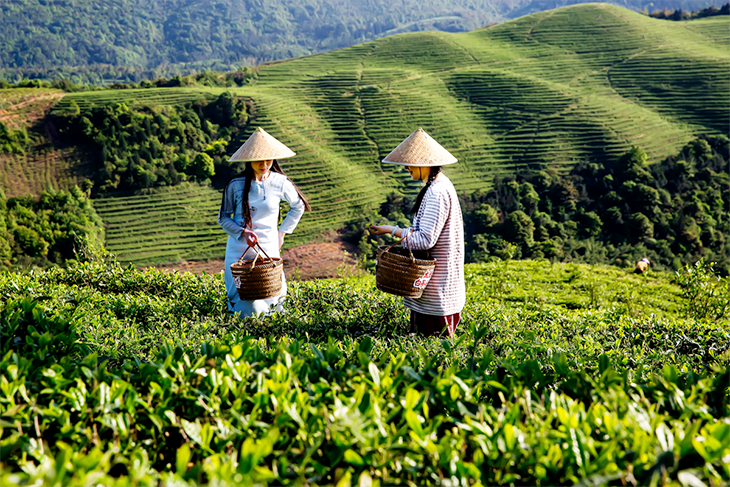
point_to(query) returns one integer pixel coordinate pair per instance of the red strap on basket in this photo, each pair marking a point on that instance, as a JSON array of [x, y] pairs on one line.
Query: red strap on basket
[[240, 261], [413, 259]]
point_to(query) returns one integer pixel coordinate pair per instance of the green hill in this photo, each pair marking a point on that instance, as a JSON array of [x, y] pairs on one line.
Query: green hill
[[576, 84]]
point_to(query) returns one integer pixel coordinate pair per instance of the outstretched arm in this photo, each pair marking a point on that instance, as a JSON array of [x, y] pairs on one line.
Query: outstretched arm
[[384, 229]]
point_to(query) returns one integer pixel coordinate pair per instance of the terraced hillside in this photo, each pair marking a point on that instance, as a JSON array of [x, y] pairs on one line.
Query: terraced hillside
[[169, 226], [40, 166], [581, 83], [45, 163]]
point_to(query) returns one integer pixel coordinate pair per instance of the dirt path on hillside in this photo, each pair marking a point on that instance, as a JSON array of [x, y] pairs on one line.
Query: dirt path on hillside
[[312, 261], [28, 110]]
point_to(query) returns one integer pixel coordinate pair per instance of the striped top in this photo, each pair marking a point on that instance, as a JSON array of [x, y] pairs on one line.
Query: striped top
[[439, 228]]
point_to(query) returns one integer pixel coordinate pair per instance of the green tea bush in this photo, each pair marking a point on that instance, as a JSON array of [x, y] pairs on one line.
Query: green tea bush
[[707, 295], [123, 377]]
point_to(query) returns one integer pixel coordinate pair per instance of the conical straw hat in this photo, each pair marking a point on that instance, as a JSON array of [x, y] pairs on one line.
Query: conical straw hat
[[419, 149], [261, 147]]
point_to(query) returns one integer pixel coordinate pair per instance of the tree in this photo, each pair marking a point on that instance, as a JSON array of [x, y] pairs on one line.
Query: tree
[[629, 164], [591, 224], [640, 226], [203, 167], [485, 218], [29, 242], [564, 195], [519, 229], [689, 233], [529, 197]]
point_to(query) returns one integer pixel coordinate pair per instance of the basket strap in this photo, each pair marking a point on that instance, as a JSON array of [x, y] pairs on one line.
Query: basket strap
[[253, 263], [240, 261], [262, 250], [413, 259]]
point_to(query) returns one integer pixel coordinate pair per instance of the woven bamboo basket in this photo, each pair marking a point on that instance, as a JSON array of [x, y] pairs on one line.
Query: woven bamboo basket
[[257, 279], [398, 271]]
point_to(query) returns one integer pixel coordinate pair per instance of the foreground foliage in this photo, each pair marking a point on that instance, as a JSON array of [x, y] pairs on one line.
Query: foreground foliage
[[558, 375]]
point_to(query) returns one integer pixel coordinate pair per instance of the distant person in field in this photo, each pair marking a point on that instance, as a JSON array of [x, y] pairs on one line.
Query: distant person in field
[[642, 266], [437, 227], [249, 213]]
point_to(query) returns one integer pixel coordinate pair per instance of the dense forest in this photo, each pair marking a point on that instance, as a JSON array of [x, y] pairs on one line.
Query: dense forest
[[143, 146], [132, 40], [673, 212], [227, 79], [106, 41], [47, 231]]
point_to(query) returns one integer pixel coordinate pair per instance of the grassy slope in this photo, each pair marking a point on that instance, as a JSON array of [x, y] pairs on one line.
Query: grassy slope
[[574, 84]]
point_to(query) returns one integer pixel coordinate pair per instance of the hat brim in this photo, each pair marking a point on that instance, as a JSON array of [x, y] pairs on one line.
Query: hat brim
[[263, 158], [261, 146], [413, 164], [420, 150]]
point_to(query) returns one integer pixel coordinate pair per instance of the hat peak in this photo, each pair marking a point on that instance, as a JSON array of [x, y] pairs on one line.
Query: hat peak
[[261, 146], [420, 149]]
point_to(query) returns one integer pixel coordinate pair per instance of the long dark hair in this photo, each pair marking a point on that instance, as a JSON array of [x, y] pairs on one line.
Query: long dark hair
[[249, 175], [435, 170]]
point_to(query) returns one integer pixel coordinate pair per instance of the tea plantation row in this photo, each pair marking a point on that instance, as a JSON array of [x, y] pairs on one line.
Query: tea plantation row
[[559, 374]]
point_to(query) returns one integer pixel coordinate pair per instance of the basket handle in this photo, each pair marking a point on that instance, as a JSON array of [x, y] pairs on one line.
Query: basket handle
[[240, 261], [413, 259]]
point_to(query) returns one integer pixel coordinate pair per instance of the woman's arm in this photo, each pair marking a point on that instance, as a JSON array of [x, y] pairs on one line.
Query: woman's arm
[[296, 210], [427, 229], [228, 207], [384, 229]]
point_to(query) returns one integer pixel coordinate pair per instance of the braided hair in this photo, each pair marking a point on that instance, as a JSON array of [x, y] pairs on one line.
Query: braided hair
[[248, 173], [435, 171]]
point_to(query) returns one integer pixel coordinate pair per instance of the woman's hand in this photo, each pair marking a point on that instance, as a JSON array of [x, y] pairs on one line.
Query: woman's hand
[[281, 238], [250, 236], [381, 229]]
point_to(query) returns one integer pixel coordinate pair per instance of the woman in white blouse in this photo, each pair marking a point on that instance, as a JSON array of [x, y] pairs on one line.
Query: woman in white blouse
[[437, 227], [249, 213]]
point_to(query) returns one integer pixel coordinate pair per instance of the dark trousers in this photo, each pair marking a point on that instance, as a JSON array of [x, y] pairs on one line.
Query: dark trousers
[[429, 325]]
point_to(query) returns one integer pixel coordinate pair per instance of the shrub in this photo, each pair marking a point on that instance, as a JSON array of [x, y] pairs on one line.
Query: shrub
[[706, 295]]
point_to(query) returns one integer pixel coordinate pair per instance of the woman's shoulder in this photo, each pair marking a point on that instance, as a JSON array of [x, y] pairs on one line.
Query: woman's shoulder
[[278, 180], [278, 177], [236, 183], [441, 186]]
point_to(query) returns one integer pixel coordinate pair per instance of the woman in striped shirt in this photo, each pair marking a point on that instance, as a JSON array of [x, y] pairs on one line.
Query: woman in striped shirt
[[437, 227]]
